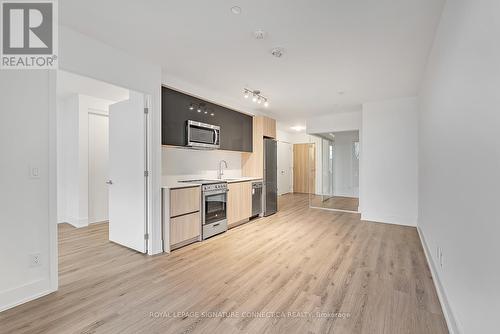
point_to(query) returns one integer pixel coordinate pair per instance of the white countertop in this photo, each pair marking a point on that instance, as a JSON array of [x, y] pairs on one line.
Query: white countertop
[[177, 184]]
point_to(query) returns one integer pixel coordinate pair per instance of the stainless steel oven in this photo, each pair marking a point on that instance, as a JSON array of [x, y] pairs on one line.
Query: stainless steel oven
[[202, 135], [214, 209]]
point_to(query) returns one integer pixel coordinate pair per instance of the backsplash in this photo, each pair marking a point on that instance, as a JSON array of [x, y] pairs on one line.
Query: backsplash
[[185, 164]]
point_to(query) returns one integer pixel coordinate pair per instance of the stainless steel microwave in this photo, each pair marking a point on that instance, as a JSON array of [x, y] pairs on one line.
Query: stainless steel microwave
[[202, 135]]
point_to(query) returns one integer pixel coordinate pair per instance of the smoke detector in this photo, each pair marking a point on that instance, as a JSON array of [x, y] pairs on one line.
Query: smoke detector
[[278, 52], [236, 10]]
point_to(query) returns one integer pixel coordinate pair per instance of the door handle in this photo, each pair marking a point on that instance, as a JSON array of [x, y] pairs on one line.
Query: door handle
[[109, 182], [216, 136]]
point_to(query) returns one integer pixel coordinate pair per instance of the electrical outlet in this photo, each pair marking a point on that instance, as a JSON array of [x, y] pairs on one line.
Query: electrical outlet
[[34, 171], [35, 260]]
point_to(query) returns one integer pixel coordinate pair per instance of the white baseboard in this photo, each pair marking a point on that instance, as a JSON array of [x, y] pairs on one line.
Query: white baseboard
[[24, 293], [443, 300], [388, 220]]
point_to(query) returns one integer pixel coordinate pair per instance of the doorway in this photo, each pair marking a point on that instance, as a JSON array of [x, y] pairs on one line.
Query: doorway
[[337, 166], [102, 159], [285, 168], [304, 168], [98, 166]]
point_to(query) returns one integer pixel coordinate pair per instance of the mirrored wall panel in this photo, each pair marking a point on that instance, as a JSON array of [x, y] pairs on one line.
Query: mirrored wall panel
[[333, 166]]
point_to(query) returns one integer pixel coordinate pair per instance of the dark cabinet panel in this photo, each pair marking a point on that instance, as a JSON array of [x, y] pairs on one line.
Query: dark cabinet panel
[[178, 108]]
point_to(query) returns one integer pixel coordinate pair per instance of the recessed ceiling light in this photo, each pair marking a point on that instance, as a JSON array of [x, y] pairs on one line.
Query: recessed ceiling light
[[298, 128], [236, 10]]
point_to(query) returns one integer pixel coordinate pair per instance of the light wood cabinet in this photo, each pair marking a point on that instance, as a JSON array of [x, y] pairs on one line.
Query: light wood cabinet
[[239, 202], [185, 219], [269, 127], [184, 200], [184, 229], [252, 164]]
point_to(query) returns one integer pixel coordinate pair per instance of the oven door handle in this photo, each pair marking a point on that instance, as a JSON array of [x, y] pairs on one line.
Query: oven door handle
[[204, 209], [218, 192]]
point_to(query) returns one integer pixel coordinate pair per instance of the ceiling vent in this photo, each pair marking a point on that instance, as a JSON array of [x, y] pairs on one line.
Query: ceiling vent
[[259, 34]]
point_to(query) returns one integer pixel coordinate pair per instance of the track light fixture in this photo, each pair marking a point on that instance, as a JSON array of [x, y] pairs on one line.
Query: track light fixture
[[256, 96], [201, 108]]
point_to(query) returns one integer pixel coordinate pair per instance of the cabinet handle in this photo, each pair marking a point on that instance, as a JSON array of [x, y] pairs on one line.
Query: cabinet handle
[[216, 225]]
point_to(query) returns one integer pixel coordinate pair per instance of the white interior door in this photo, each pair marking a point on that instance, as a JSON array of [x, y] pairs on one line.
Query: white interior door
[[285, 167], [127, 164], [98, 167]]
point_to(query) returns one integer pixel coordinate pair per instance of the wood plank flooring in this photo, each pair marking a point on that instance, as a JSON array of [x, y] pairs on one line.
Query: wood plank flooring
[[308, 261], [335, 202]]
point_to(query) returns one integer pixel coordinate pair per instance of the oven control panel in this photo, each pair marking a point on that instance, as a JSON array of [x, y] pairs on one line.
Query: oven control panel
[[215, 187]]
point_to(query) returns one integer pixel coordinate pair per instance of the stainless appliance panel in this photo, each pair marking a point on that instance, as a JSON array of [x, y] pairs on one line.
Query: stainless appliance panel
[[256, 198], [202, 135], [214, 205], [214, 208], [270, 177], [210, 230]]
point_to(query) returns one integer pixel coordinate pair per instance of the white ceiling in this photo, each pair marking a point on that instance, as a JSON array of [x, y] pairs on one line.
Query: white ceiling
[[368, 49]]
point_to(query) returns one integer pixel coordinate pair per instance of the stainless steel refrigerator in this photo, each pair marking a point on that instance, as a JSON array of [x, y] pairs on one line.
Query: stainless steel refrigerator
[[270, 177]]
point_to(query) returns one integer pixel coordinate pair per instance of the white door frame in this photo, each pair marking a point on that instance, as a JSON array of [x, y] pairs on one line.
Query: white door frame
[[154, 227]]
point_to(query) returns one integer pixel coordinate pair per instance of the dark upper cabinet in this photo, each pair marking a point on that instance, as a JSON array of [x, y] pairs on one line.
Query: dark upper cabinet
[[235, 127]]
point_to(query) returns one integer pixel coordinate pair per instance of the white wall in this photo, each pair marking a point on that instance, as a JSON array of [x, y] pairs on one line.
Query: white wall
[[388, 174], [68, 153], [186, 164], [459, 165], [336, 122], [292, 137], [27, 204]]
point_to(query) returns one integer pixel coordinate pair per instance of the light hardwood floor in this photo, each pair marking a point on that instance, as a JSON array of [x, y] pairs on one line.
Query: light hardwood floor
[[335, 202], [299, 260]]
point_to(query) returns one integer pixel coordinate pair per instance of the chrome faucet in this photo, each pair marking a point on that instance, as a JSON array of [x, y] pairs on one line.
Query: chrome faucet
[[221, 170]]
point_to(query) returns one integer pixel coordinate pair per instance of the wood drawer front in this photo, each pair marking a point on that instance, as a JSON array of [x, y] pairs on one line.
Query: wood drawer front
[[185, 227], [185, 200]]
